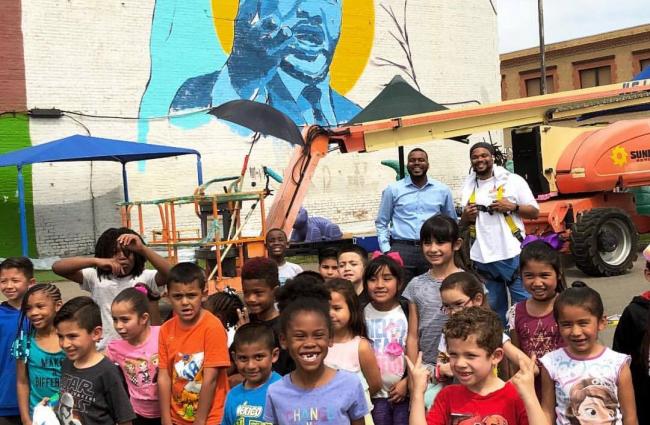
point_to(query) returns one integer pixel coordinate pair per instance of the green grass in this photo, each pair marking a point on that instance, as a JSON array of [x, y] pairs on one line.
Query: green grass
[[44, 276]]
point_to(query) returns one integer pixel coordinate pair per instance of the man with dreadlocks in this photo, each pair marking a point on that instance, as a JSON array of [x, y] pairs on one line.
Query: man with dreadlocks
[[119, 263], [495, 201]]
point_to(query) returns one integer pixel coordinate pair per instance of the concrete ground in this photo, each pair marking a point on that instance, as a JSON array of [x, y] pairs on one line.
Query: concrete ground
[[616, 291]]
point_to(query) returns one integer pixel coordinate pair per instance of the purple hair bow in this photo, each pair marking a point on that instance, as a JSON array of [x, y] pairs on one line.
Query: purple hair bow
[[552, 239]]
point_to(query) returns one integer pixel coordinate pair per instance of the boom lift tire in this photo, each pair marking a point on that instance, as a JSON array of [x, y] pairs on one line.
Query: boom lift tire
[[604, 242]]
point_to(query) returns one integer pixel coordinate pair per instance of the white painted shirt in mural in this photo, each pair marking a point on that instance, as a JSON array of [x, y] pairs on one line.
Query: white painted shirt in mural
[[586, 391]]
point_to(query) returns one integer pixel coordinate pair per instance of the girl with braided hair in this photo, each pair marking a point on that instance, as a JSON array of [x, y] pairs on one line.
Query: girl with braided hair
[[227, 306], [37, 350]]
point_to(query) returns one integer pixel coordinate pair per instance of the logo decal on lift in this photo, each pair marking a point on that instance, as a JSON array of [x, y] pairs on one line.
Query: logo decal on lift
[[619, 156]]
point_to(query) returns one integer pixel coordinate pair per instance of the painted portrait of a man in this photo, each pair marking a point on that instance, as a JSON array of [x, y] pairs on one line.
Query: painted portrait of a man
[[281, 55]]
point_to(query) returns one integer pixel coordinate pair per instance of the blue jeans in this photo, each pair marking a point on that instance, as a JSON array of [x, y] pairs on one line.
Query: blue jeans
[[387, 413], [501, 277]]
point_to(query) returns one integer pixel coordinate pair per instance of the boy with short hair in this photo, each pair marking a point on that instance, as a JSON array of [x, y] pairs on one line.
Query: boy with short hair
[[91, 390], [474, 337], [193, 354], [276, 244], [328, 265], [16, 276], [352, 262], [260, 280], [254, 352]]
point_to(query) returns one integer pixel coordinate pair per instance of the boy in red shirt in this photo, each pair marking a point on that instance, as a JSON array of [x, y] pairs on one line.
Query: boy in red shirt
[[474, 336], [193, 354]]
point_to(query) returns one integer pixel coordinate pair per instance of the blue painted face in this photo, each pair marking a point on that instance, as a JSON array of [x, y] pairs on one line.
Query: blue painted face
[[312, 28]]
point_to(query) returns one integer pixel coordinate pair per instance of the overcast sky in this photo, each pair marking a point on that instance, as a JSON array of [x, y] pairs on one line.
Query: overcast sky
[[565, 19]]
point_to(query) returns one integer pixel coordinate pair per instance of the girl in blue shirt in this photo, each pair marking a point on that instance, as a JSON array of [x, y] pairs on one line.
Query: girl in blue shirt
[[37, 350]]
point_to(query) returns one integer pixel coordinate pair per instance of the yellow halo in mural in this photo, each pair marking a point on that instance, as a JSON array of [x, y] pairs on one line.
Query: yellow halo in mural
[[352, 52]]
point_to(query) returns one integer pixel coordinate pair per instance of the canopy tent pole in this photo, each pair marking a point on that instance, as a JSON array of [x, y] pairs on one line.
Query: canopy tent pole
[[199, 169], [23, 215], [400, 154], [125, 183]]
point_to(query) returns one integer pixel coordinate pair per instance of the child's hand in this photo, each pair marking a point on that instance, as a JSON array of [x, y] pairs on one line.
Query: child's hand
[[243, 317], [524, 379], [418, 375], [399, 391], [130, 242], [110, 264]]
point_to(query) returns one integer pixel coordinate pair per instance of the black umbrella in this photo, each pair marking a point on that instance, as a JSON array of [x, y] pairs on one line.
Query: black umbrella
[[261, 118]]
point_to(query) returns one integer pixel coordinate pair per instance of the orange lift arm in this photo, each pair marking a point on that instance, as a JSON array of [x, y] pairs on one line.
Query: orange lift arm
[[402, 131], [394, 132]]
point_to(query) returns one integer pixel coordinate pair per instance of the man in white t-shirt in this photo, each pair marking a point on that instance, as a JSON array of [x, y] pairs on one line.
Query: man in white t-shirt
[[495, 202]]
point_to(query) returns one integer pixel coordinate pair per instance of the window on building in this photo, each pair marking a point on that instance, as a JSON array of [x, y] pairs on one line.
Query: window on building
[[644, 63], [533, 86], [592, 77]]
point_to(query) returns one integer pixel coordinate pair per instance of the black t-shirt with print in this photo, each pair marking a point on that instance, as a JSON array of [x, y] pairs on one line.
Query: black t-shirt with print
[[94, 395]]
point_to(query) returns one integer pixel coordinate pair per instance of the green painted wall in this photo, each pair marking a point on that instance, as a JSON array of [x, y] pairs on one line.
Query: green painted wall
[[14, 134]]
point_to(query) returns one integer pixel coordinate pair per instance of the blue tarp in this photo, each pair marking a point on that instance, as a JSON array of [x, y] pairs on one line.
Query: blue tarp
[[643, 75], [87, 148]]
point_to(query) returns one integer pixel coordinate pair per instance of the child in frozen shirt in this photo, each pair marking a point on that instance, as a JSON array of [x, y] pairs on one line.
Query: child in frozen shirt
[[254, 353], [119, 263], [313, 393], [137, 353], [387, 324], [585, 382]]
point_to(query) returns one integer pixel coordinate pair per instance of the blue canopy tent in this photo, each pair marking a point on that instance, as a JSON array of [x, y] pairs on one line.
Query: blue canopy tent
[[87, 148]]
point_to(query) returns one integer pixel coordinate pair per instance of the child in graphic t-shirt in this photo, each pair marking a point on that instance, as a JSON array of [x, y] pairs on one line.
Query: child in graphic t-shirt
[[253, 352], [313, 393], [91, 390], [532, 325], [387, 328], [474, 337], [37, 349], [585, 382], [137, 353], [192, 374]]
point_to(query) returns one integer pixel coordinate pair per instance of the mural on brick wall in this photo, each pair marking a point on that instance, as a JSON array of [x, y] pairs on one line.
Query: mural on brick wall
[[300, 56]]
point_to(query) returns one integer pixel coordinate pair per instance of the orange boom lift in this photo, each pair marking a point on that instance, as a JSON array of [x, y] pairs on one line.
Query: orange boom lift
[[581, 176]]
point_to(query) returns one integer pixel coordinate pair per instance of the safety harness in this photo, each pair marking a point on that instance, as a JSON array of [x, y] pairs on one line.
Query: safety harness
[[508, 217]]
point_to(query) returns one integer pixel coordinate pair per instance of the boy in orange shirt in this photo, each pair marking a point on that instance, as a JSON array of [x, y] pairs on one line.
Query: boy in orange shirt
[[193, 354]]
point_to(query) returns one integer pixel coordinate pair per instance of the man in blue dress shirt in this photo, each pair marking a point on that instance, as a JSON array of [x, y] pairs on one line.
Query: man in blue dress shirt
[[405, 205]]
